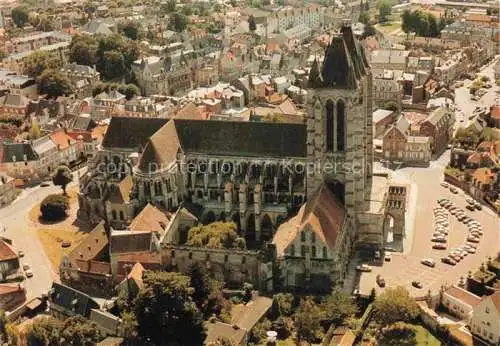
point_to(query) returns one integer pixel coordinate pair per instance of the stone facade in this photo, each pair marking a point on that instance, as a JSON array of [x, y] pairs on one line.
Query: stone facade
[[258, 175]]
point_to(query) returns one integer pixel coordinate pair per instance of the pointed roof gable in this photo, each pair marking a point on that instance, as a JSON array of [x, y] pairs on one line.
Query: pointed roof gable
[[322, 213], [150, 219], [345, 61]]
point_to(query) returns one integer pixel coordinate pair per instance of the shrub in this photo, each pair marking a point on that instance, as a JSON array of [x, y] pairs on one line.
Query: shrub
[[53, 207]]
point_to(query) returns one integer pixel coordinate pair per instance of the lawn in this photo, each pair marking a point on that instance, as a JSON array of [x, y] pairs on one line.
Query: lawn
[[51, 239], [424, 337], [52, 235]]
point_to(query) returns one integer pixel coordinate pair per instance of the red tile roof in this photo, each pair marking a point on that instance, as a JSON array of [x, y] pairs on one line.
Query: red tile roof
[[323, 213], [484, 175], [463, 296], [6, 252]]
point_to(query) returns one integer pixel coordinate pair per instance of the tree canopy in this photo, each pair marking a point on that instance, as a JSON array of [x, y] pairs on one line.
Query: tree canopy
[[130, 29], [78, 331], [178, 22], [252, 26], [308, 321], [62, 177], [20, 16], [39, 61], [384, 10], [165, 310], [53, 83], [216, 235], [113, 55], [338, 307], [53, 207], [44, 331], [423, 23], [393, 305]]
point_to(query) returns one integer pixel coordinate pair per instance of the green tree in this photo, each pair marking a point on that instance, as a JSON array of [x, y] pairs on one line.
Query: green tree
[[165, 310], [82, 54], [285, 302], [314, 80], [170, 6], [128, 327], [393, 305], [78, 331], [178, 22], [397, 334], [200, 281], [308, 321], [384, 10], [129, 90], [364, 17], [35, 130], [252, 26], [53, 207], [113, 65], [216, 235], [39, 61], [130, 29], [53, 83], [338, 307], [62, 177], [44, 331], [20, 16]]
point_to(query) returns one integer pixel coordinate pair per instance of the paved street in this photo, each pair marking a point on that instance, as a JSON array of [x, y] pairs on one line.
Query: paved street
[[406, 267], [15, 219], [465, 106]]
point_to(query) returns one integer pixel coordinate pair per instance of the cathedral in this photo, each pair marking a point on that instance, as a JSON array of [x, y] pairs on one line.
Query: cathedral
[[302, 191]]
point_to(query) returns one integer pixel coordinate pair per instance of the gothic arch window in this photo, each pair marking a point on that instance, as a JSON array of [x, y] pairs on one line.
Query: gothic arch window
[[340, 125], [113, 214], [325, 252], [329, 107]]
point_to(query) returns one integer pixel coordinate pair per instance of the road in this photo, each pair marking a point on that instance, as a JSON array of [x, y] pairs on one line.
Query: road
[[15, 219], [465, 106], [406, 267]]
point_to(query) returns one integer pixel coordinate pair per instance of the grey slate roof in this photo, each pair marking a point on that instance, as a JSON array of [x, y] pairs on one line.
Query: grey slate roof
[[19, 151], [252, 139], [131, 132], [71, 299]]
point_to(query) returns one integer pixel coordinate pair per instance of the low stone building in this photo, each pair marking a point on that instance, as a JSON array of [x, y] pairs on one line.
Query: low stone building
[[459, 302], [11, 296]]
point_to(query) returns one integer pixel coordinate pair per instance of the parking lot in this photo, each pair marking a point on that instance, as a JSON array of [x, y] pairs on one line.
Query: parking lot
[[406, 267]]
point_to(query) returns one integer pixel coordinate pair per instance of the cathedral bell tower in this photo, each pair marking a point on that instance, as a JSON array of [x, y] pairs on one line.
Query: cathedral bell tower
[[339, 124]]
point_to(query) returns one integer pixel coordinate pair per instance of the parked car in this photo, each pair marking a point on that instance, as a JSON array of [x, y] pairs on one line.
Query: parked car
[[453, 190], [439, 239], [428, 262], [26, 267], [478, 206], [364, 268], [473, 239], [388, 257], [445, 185], [29, 273], [439, 246], [380, 281], [45, 184], [417, 284], [470, 207], [20, 254], [448, 260]]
